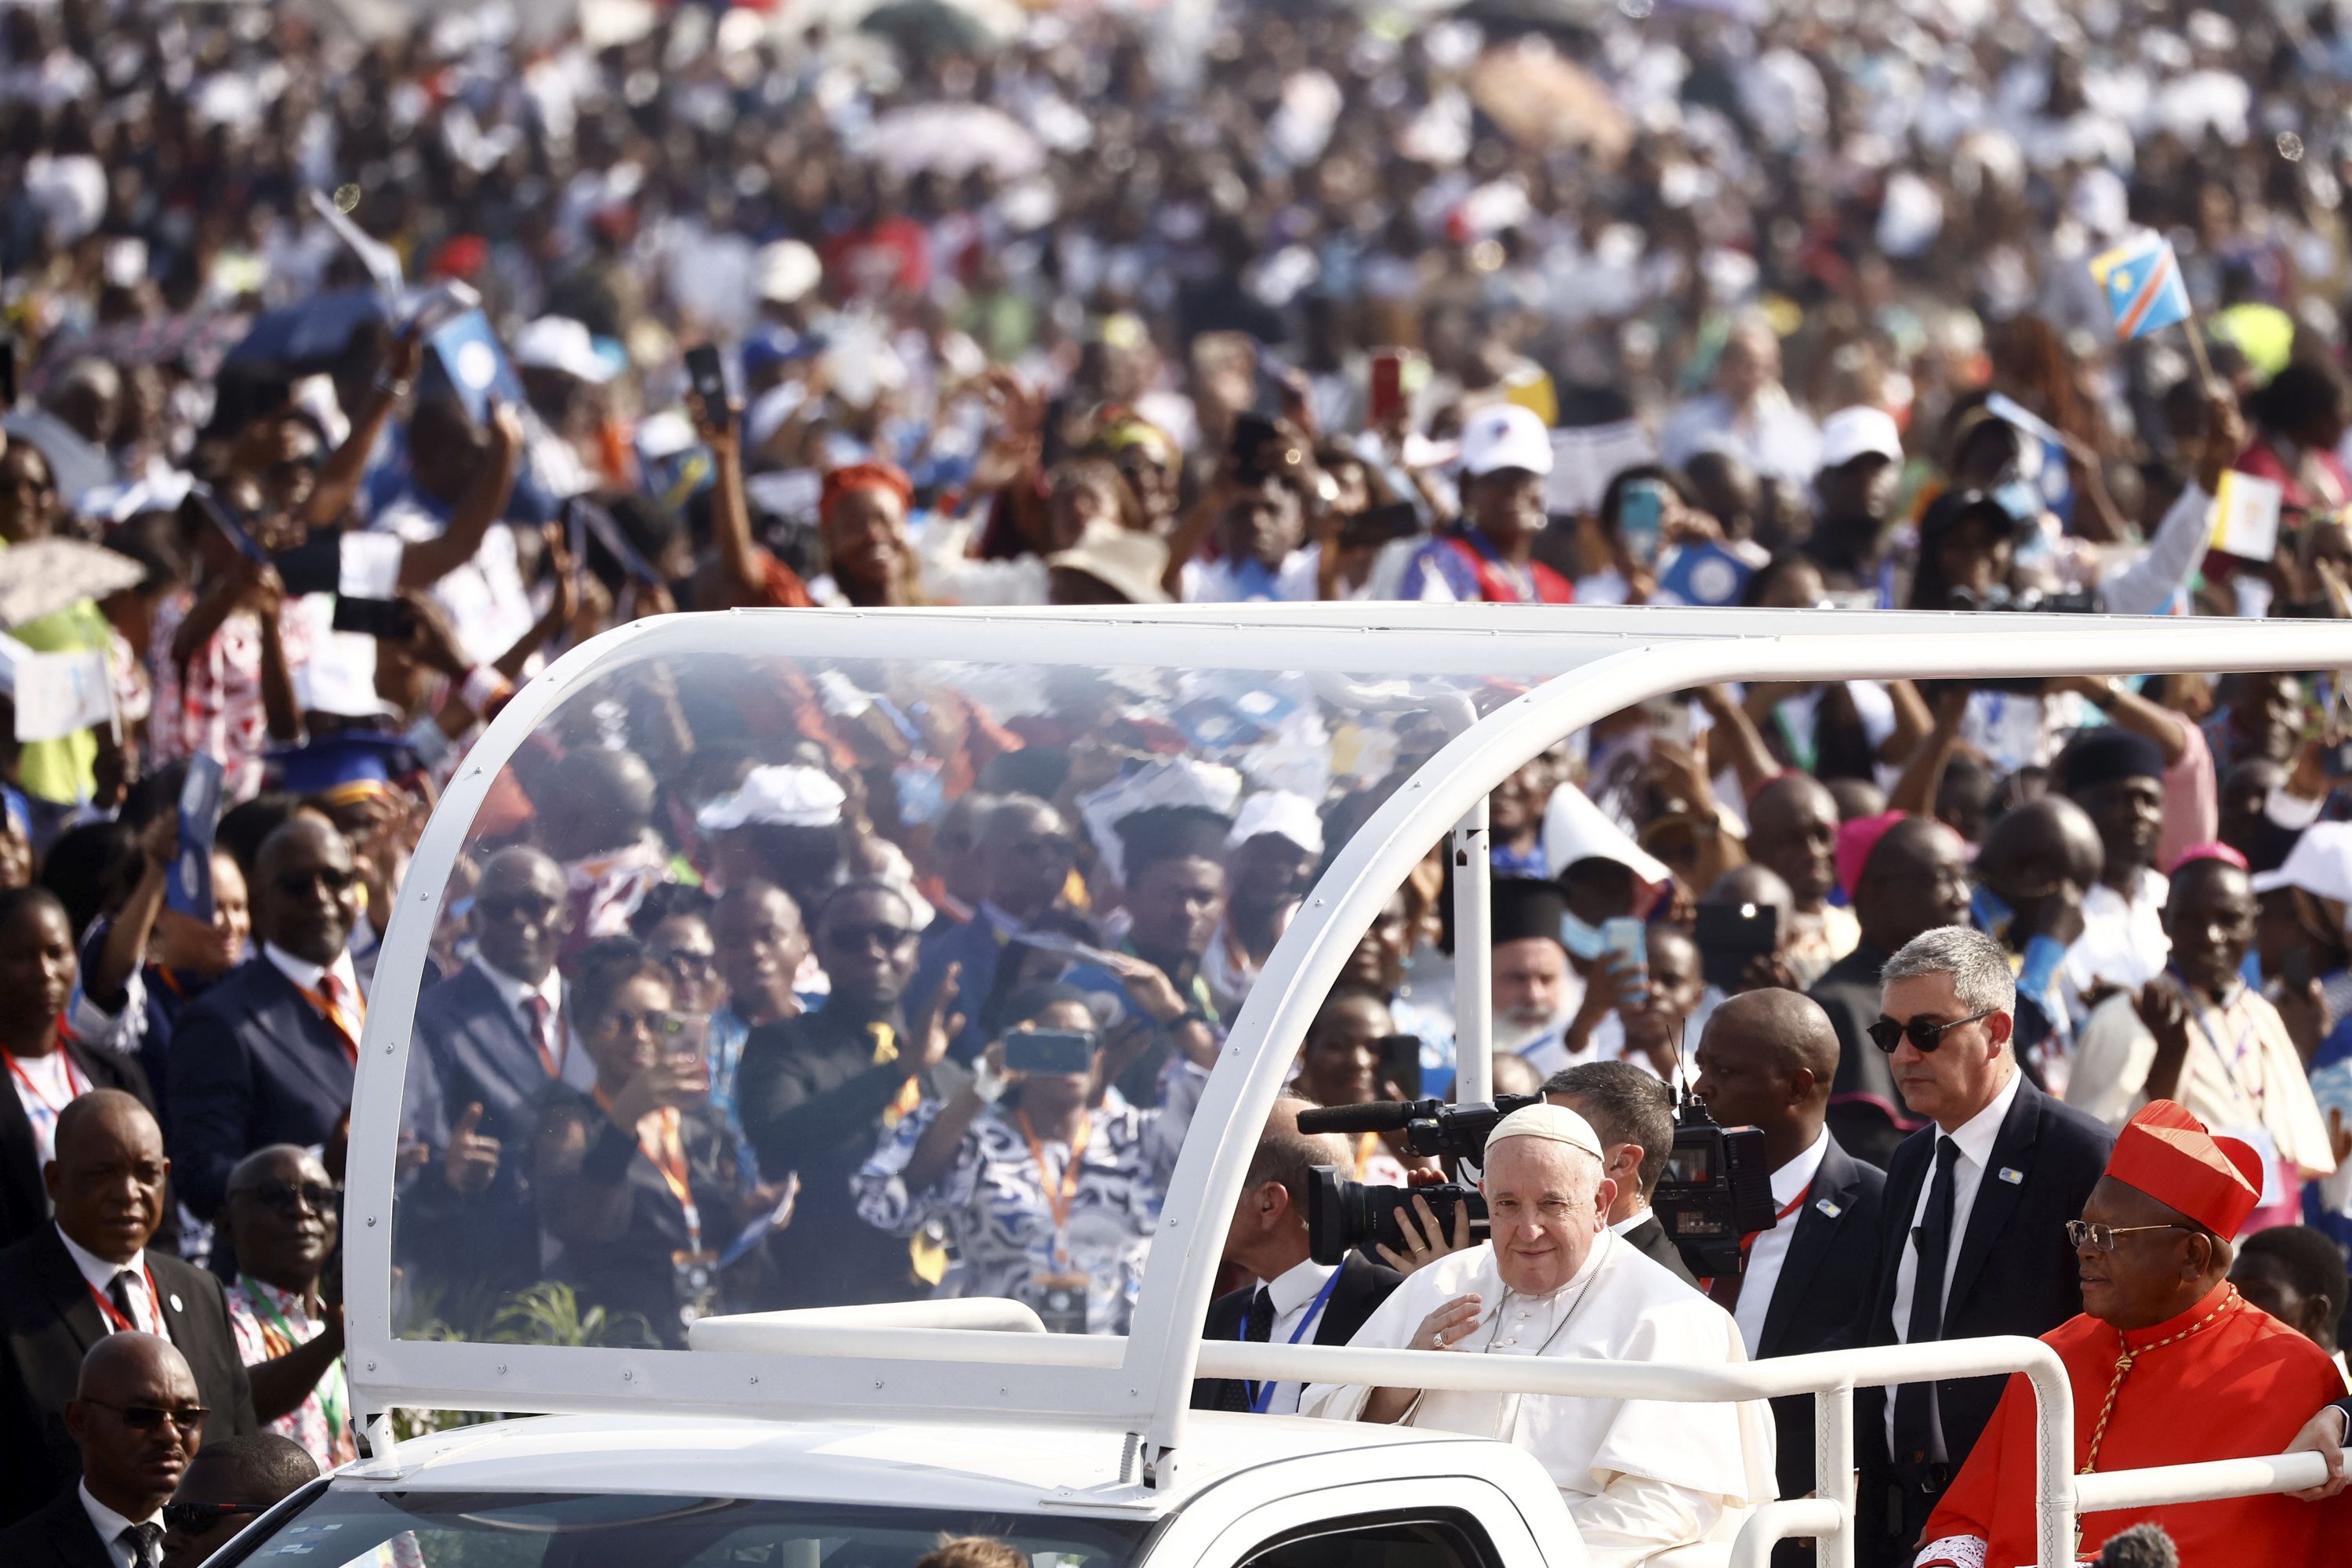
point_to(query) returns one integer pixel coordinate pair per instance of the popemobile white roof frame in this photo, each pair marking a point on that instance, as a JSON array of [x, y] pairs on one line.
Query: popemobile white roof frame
[[1590, 663]]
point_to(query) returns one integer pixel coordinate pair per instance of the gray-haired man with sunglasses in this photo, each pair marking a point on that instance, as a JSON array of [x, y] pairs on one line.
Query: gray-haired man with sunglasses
[[1976, 1207]]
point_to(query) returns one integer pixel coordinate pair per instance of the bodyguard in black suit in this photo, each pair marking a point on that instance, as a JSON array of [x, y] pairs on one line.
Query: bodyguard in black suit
[[267, 1057], [57, 1303], [133, 1423], [37, 978], [1980, 1198], [1292, 1295], [1767, 1061]]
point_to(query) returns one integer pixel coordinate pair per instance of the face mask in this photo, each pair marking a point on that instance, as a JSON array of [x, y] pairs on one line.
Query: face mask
[[1581, 940]]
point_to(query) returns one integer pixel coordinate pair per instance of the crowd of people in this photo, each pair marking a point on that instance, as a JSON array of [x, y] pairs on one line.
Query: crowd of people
[[352, 382]]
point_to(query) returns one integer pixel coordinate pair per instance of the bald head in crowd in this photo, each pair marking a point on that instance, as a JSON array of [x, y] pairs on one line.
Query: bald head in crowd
[[132, 1469], [248, 1475], [1767, 1061], [1792, 827], [2032, 855]]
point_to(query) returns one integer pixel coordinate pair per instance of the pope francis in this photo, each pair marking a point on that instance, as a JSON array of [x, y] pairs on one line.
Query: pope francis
[[1639, 1477]]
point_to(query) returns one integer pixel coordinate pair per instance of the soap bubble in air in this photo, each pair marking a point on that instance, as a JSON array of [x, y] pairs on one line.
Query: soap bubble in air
[[2290, 146], [346, 198]]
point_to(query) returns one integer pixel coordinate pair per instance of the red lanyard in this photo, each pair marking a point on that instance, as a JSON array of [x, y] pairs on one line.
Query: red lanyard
[[123, 1325], [76, 1085], [1783, 1212]]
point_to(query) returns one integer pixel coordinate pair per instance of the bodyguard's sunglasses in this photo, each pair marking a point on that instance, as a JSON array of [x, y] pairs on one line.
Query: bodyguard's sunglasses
[[188, 1419], [1926, 1032]]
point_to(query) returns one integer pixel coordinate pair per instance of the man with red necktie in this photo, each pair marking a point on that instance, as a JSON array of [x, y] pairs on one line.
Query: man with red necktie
[[267, 1057]]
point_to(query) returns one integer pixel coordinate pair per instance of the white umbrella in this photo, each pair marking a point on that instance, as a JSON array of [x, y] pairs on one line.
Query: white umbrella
[[954, 139], [48, 574]]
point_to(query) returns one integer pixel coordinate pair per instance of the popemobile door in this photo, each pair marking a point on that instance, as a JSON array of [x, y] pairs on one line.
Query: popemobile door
[[1424, 1522]]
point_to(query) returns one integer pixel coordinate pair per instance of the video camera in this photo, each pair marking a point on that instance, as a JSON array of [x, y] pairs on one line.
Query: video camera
[[1718, 1186]]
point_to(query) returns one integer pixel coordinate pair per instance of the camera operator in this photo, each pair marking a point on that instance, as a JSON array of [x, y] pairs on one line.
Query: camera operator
[[1767, 1061], [1294, 1299], [1634, 1112], [1638, 1477]]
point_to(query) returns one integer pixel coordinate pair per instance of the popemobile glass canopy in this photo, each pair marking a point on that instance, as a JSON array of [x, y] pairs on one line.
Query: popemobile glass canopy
[[838, 756]]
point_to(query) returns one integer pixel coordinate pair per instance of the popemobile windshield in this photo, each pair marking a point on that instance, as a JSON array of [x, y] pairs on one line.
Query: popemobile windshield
[[818, 1349]]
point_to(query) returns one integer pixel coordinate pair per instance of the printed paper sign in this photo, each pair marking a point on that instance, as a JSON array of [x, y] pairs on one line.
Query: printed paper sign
[[189, 887], [2246, 517]]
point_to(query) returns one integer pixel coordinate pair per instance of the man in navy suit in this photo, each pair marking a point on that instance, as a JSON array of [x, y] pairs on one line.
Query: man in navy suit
[[1294, 1299], [268, 1056], [1767, 1061], [490, 1041], [1972, 1230]]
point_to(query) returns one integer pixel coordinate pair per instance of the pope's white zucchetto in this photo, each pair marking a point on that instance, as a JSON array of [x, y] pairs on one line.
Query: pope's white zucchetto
[[1553, 1123]]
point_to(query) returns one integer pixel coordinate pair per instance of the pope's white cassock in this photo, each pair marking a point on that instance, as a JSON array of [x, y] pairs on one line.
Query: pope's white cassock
[[1639, 1477]]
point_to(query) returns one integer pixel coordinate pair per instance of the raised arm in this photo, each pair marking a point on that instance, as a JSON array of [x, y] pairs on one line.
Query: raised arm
[[485, 501], [339, 479]]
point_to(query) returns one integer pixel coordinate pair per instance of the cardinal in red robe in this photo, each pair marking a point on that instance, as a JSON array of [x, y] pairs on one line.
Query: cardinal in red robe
[[2169, 1366]]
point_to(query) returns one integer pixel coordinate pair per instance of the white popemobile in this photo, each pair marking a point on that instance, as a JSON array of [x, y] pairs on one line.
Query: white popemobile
[[855, 1436]]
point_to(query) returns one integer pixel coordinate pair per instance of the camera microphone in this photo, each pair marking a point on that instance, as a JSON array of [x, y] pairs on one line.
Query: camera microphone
[[2141, 1546], [1380, 1116]]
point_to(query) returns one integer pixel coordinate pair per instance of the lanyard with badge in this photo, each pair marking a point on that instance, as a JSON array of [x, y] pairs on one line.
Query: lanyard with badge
[[1061, 1290], [694, 1272], [332, 1391], [1261, 1394]]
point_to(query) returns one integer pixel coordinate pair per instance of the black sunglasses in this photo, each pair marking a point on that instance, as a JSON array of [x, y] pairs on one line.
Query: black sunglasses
[[334, 877], [188, 1419], [1926, 1032], [888, 938], [198, 1519], [287, 1196]]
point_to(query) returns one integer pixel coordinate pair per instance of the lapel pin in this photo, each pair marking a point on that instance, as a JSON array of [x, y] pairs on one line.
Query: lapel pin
[[1829, 1208], [175, 1305], [2011, 1174]]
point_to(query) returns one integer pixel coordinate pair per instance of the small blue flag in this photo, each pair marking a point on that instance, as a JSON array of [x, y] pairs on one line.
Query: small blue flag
[[477, 368], [2142, 282], [1704, 574], [188, 887]]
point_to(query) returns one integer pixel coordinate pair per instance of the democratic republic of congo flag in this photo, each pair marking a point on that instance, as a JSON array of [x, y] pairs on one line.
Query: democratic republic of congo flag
[[2142, 282]]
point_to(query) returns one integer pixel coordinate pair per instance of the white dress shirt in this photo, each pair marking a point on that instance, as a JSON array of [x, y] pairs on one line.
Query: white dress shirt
[[1770, 1250], [110, 1525], [2123, 941], [1294, 1291], [1975, 1137], [145, 1311]]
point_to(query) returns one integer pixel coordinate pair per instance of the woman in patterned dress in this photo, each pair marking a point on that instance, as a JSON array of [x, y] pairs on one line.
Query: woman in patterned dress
[[1048, 1186]]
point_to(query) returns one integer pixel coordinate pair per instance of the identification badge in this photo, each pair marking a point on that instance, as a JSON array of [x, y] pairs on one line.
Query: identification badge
[[694, 1285], [1829, 1208], [2012, 1175], [1061, 1301]]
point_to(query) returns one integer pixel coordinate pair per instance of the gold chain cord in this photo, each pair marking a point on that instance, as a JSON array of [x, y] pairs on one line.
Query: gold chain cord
[[2229, 1303]]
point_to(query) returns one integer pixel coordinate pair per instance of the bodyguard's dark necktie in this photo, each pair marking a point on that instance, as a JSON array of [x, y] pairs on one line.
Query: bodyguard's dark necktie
[[144, 1543], [1931, 1238], [1261, 1316]]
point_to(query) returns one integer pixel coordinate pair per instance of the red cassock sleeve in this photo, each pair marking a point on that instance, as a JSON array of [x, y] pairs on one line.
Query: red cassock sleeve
[[1969, 1505]]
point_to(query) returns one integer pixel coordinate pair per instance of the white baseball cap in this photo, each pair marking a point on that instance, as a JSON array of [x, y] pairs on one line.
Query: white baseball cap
[[2320, 864], [561, 343], [1505, 436], [1861, 431]]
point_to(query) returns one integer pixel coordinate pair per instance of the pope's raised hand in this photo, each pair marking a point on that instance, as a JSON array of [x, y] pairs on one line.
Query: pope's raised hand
[[1448, 1326]]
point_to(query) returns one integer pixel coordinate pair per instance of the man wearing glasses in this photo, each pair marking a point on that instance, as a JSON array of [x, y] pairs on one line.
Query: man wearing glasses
[[136, 1419], [283, 1213], [268, 1056], [1975, 1209], [91, 1274], [2168, 1365], [817, 1091]]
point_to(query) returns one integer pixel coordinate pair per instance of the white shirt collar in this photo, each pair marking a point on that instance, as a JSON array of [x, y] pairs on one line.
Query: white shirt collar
[[110, 1524], [515, 992], [1627, 1225], [97, 1269], [1978, 1134], [1798, 1174], [1297, 1285], [305, 974]]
